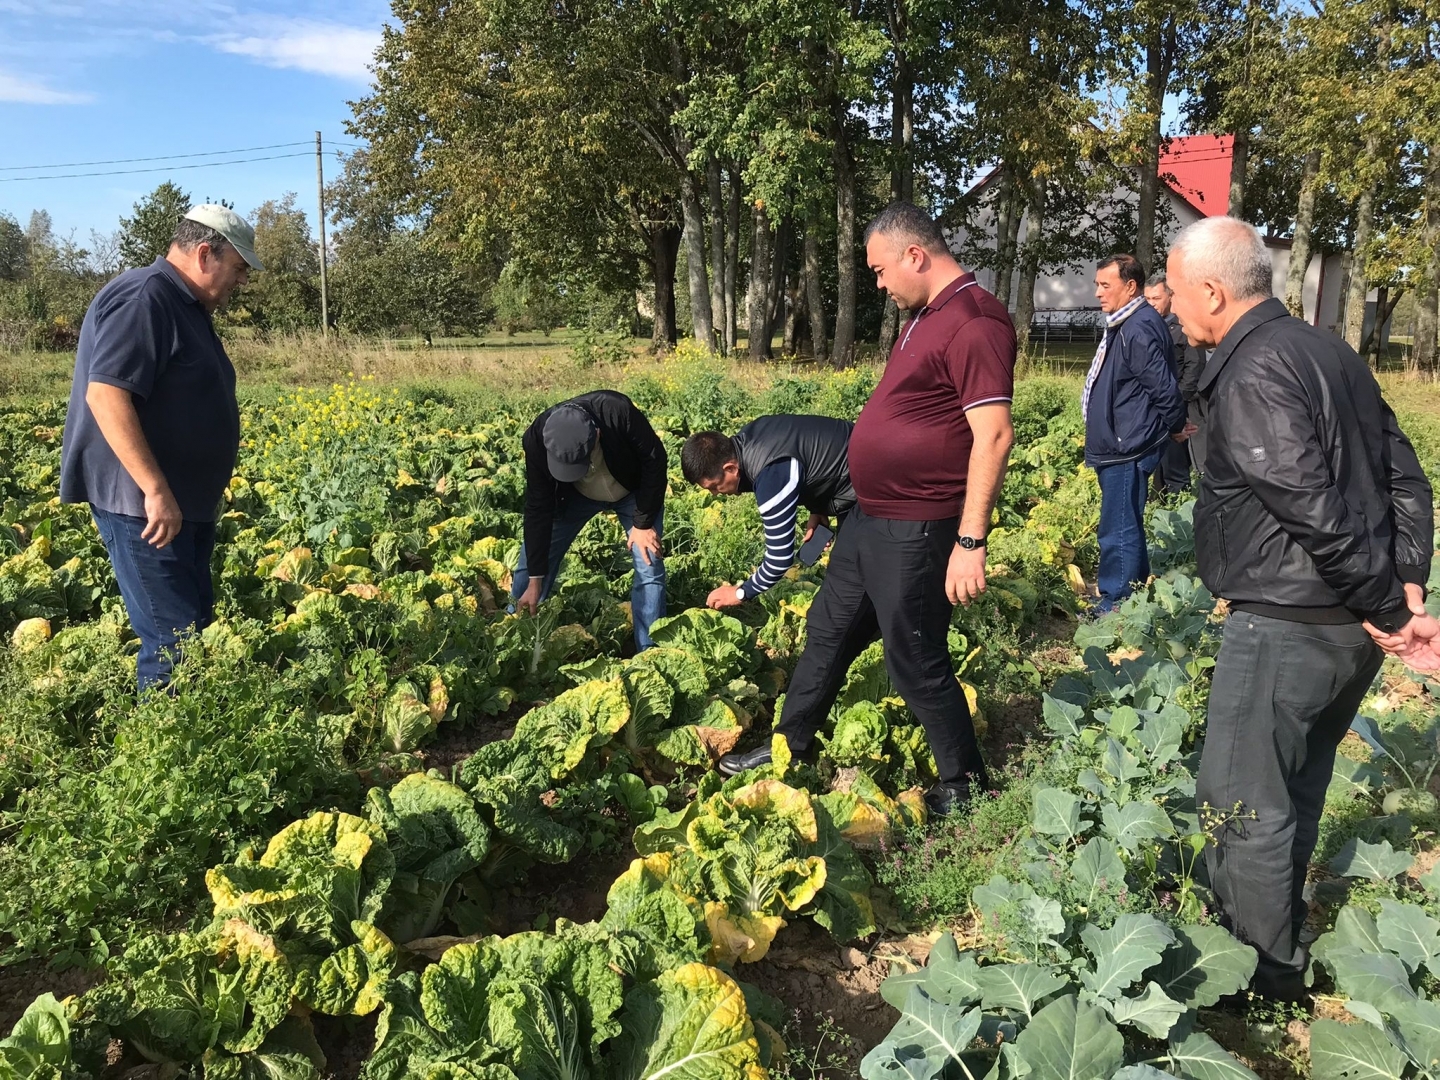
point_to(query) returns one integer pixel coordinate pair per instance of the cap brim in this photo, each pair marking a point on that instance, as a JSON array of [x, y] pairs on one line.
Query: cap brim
[[248, 254], [567, 472]]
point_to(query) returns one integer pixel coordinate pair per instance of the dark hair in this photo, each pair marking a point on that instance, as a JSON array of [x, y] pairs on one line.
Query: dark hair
[[908, 224], [189, 235], [1157, 278], [704, 455], [1128, 267]]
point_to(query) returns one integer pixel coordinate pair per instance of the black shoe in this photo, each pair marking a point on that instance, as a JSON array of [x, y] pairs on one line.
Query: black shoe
[[736, 763], [954, 796]]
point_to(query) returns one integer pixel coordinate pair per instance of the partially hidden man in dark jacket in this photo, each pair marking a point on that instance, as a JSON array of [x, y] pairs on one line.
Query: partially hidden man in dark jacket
[[788, 462], [1315, 523], [593, 453], [1179, 458], [1132, 408]]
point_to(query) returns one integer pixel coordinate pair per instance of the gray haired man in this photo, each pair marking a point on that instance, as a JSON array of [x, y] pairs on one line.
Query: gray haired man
[[153, 428], [1315, 522]]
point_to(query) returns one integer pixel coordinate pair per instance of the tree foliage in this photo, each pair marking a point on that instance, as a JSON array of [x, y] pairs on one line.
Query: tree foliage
[[145, 236]]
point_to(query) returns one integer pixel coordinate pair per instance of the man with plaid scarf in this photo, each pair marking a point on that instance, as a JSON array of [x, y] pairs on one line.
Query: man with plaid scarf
[[1132, 408]]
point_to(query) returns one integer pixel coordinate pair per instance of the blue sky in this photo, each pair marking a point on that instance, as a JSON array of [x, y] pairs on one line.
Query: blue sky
[[93, 80]]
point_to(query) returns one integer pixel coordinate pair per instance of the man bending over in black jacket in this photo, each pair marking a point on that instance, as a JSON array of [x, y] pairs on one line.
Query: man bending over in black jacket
[[788, 462], [593, 453], [1315, 522]]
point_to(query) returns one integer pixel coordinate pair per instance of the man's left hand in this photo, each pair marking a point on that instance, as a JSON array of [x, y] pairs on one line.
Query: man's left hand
[[647, 542], [1399, 642], [722, 597], [965, 576], [1185, 433]]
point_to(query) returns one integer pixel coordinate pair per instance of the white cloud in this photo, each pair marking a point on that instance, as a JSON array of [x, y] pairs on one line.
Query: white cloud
[[26, 91], [325, 48]]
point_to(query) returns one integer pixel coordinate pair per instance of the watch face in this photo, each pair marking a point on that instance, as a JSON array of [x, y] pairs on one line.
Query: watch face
[[968, 543]]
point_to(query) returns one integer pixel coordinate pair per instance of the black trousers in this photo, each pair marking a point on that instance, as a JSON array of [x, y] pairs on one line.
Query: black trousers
[[886, 579], [1281, 699], [1173, 475]]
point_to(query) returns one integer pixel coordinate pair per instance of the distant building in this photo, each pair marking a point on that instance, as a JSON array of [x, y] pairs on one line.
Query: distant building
[[1195, 183]]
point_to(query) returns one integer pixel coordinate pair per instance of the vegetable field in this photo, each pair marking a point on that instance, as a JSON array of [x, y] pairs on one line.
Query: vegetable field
[[383, 828]]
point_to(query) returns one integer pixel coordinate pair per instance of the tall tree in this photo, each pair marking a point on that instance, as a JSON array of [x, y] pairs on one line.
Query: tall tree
[[1149, 42], [1299, 262], [14, 249], [145, 236], [286, 294]]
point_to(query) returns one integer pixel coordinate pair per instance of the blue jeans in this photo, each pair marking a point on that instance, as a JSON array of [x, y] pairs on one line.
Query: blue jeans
[[647, 593], [168, 592], [1124, 557]]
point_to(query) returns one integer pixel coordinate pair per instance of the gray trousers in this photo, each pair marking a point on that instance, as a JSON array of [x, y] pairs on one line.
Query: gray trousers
[[1282, 697]]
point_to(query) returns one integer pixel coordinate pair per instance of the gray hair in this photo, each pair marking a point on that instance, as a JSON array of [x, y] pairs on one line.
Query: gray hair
[[189, 235], [1157, 279], [907, 224], [1229, 251]]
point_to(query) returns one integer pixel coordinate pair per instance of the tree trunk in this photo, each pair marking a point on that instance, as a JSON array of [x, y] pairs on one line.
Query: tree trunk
[[780, 272], [1427, 328], [815, 298], [1359, 284], [693, 214], [732, 264], [664, 249], [1239, 159], [758, 296], [1427, 311], [1156, 79], [1300, 246], [716, 194], [842, 352], [1004, 241], [1427, 304], [1030, 262], [793, 303], [902, 145], [1384, 308]]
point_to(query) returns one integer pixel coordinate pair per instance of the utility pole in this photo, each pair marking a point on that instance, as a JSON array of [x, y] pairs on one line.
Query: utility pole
[[324, 286]]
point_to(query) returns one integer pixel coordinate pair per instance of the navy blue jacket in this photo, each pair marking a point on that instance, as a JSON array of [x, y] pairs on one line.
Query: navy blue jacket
[[1135, 404]]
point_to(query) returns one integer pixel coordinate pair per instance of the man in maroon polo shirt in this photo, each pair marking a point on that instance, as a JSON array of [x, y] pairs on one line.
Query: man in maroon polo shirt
[[927, 458]]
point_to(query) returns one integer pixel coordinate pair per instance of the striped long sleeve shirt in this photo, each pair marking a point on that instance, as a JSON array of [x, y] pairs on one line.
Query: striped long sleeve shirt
[[777, 494]]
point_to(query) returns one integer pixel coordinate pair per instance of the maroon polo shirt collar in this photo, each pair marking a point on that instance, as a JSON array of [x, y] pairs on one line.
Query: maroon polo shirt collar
[[950, 291], [945, 296]]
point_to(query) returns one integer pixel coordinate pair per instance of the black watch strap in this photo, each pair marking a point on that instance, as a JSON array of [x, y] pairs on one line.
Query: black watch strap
[[969, 543]]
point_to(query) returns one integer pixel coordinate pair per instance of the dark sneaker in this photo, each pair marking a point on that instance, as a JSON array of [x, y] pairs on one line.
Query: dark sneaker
[[954, 796], [736, 763]]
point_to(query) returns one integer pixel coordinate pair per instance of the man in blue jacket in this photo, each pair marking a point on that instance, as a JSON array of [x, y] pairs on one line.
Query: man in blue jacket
[[1132, 408]]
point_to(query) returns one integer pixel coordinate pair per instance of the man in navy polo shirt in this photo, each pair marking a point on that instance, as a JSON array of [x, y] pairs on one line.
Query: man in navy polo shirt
[[153, 428], [927, 458]]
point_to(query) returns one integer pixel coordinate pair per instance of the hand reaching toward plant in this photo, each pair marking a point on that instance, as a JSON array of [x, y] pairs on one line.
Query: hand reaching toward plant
[[722, 596]]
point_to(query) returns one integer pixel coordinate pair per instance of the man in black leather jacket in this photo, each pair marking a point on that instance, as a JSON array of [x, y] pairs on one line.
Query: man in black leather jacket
[[1315, 522]]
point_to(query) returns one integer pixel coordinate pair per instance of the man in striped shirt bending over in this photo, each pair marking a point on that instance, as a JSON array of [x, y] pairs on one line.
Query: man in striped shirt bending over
[[787, 461]]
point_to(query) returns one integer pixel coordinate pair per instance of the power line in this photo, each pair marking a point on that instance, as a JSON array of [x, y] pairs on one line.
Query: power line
[[158, 168], [164, 157]]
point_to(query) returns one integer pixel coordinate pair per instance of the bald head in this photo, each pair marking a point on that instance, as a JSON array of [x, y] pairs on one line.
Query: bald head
[[1219, 268]]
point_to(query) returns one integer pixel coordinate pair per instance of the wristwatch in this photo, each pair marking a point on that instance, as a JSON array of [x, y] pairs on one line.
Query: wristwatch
[[739, 592], [970, 543]]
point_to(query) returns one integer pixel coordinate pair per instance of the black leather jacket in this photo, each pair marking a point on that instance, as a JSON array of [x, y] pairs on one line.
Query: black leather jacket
[[1312, 496]]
